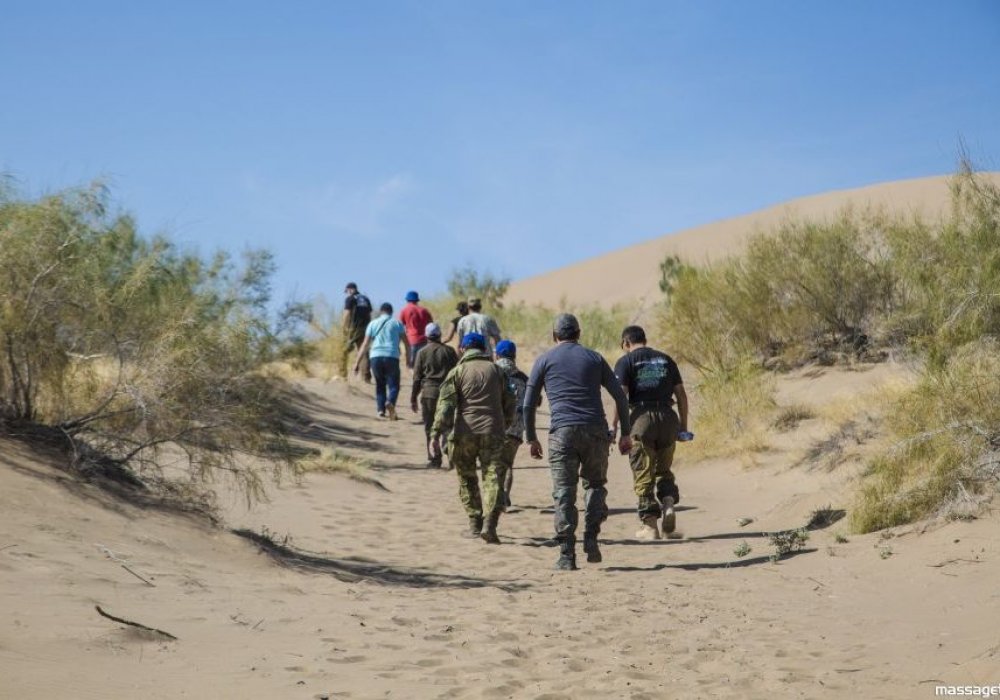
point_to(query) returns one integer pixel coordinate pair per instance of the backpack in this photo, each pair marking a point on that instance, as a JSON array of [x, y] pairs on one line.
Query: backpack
[[362, 303]]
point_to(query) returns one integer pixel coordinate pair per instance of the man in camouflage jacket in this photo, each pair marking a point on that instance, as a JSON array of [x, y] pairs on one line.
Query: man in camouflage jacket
[[476, 404]]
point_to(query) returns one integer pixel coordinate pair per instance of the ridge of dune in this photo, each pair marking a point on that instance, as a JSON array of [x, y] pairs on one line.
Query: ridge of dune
[[631, 274]]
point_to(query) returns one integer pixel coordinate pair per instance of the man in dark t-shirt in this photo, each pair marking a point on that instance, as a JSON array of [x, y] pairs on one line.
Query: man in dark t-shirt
[[651, 380], [354, 320]]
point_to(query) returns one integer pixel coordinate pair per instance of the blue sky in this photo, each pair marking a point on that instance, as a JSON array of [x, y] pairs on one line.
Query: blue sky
[[390, 142]]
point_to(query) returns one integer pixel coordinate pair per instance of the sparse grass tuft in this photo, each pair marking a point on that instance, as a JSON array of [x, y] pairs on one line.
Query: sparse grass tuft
[[947, 454], [742, 549], [333, 461], [732, 412], [789, 417]]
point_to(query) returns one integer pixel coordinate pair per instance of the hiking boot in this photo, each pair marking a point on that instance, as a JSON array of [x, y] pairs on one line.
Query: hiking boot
[[475, 527], [490, 531], [648, 529], [567, 557], [669, 516], [591, 548], [390, 411]]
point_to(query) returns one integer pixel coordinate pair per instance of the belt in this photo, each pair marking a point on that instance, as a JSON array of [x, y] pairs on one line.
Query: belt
[[651, 404]]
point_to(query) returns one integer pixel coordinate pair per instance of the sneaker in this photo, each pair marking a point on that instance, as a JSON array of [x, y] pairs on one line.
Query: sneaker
[[391, 411], [380, 415], [669, 516], [648, 530], [566, 563]]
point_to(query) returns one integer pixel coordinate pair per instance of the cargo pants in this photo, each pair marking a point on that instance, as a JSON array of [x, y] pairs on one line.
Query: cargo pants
[[472, 455], [654, 437], [579, 453]]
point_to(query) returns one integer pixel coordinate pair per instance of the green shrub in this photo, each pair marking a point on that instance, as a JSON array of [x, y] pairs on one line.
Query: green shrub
[[948, 443], [131, 348]]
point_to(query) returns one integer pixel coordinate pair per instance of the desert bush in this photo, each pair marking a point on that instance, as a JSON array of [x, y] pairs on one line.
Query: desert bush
[[132, 348], [948, 279], [947, 449], [796, 291], [732, 412], [468, 282]]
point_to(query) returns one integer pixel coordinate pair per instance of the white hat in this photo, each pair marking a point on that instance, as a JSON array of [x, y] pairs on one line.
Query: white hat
[[432, 330]]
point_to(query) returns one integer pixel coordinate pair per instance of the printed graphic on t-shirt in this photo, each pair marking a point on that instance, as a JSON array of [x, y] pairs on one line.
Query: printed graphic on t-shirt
[[651, 374]]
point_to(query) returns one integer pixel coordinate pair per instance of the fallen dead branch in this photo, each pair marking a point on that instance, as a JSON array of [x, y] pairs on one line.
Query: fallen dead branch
[[134, 624]]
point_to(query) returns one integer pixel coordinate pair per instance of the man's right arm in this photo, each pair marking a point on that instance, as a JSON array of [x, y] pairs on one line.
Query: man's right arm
[[532, 394], [444, 416]]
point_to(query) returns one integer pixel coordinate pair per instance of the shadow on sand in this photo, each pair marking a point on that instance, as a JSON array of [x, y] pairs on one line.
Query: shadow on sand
[[694, 566], [352, 570]]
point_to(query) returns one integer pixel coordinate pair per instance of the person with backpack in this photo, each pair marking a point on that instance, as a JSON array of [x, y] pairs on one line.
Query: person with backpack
[[506, 352], [651, 381], [354, 320], [382, 339]]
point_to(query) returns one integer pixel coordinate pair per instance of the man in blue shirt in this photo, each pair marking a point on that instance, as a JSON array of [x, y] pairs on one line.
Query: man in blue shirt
[[579, 440], [382, 339]]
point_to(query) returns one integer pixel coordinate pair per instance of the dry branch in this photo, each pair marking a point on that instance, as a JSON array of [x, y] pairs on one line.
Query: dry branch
[[134, 624]]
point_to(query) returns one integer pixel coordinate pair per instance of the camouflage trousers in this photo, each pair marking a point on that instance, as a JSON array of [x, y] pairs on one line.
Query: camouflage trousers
[[579, 453], [505, 477], [471, 455], [654, 437]]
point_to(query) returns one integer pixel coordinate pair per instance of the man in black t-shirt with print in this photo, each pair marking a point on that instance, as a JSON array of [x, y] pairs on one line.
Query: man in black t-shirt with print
[[651, 380]]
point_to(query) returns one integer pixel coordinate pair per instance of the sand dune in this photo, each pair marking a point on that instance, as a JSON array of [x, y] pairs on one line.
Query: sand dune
[[631, 275], [389, 600]]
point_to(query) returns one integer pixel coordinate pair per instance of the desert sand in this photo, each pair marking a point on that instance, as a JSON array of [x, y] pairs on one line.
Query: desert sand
[[388, 600]]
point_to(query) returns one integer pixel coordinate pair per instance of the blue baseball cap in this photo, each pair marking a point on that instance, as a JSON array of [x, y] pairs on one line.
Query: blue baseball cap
[[412, 296], [474, 340], [506, 348]]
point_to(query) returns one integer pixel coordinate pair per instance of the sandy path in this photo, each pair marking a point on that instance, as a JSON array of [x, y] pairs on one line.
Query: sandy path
[[407, 608]]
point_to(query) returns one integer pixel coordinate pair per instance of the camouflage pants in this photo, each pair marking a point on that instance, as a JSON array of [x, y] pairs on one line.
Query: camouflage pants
[[353, 339], [505, 477], [471, 455], [654, 437], [579, 452]]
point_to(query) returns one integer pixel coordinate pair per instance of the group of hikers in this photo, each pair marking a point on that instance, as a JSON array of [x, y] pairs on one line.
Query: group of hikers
[[478, 408]]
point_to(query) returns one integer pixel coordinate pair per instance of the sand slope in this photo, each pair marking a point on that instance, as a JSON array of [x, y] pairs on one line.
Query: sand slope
[[398, 605], [631, 275]]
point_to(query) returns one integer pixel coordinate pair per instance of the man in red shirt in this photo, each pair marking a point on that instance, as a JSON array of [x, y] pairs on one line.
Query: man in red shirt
[[415, 318]]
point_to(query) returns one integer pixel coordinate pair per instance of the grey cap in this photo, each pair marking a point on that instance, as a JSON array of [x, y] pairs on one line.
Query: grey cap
[[432, 330], [566, 327]]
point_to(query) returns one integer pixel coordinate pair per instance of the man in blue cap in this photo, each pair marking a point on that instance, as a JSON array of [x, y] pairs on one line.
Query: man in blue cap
[[476, 405], [415, 318], [517, 382]]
